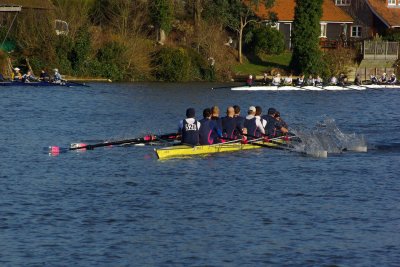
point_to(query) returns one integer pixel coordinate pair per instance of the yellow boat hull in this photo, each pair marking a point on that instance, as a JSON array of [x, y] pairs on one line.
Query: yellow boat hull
[[187, 151]]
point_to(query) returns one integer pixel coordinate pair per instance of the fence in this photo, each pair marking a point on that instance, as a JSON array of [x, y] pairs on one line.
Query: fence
[[381, 50]]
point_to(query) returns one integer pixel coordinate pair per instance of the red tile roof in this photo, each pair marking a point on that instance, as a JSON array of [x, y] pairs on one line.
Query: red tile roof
[[389, 15], [285, 11]]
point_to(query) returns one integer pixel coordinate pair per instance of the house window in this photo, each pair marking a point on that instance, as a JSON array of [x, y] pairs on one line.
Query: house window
[[391, 2], [342, 2], [355, 31], [323, 29]]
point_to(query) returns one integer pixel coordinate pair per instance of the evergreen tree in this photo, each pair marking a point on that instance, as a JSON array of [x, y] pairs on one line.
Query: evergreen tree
[[307, 56]]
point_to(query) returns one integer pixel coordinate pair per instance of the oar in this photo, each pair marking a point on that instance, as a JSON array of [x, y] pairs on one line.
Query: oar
[[79, 84], [55, 150]]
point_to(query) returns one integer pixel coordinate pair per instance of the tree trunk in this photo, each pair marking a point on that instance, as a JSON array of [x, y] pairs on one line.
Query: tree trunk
[[240, 35], [162, 37], [197, 12]]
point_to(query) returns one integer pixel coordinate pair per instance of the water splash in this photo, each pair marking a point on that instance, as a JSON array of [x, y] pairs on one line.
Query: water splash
[[326, 135]]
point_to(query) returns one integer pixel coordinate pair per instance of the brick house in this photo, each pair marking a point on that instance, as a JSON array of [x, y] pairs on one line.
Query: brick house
[[342, 20]]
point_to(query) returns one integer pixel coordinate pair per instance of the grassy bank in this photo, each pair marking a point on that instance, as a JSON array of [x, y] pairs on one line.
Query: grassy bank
[[257, 65]]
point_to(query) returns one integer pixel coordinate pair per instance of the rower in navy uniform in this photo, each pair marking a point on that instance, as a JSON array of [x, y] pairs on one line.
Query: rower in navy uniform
[[383, 78], [239, 119], [189, 128], [300, 80], [274, 127], [373, 79], [208, 129], [229, 124], [393, 79], [252, 124]]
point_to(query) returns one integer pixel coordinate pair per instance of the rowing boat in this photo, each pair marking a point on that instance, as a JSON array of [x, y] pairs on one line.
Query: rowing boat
[[41, 84], [187, 150], [315, 88]]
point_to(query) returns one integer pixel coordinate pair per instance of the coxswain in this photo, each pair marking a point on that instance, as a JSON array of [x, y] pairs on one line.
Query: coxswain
[[300, 80], [249, 81], [373, 79], [383, 78], [189, 128], [28, 77], [44, 76], [319, 81], [393, 79], [276, 81], [229, 124], [288, 80], [57, 76], [274, 127], [357, 80], [208, 127], [17, 75], [239, 119], [252, 124]]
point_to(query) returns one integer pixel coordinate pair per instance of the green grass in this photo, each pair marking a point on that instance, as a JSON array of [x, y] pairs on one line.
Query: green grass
[[257, 65]]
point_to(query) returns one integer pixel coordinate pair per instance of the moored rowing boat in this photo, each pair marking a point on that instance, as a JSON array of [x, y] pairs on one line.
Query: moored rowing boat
[[186, 150], [41, 84], [314, 88]]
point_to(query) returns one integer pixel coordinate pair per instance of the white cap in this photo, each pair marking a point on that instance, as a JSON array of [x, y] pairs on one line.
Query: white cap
[[56, 70], [250, 76], [16, 69], [384, 73], [252, 108]]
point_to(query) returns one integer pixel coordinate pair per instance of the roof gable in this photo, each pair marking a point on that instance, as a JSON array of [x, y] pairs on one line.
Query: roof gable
[[285, 11], [389, 15]]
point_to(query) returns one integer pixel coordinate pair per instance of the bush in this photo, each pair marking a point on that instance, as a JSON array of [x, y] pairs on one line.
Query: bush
[[171, 64], [109, 61], [81, 50], [268, 40], [392, 35]]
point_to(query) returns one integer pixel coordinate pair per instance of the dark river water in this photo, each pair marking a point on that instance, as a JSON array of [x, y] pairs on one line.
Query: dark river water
[[121, 206]]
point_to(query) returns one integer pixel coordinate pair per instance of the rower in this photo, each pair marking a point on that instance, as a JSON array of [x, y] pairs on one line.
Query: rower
[[276, 81], [300, 80], [229, 124], [393, 79], [189, 128], [383, 78], [249, 81], [28, 77], [357, 80], [251, 123], [17, 75], [274, 127], [215, 117], [288, 80], [208, 127], [239, 119], [282, 125], [44, 77], [265, 80], [319, 81], [310, 81], [373, 79], [57, 76], [333, 80], [342, 79]]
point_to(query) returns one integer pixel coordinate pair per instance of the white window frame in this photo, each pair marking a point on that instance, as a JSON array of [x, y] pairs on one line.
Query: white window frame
[[392, 2], [342, 2], [324, 27], [358, 31]]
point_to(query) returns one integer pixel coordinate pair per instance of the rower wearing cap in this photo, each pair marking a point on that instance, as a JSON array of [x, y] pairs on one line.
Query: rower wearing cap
[[229, 124], [57, 76], [189, 128], [17, 74], [252, 124], [383, 78], [208, 127]]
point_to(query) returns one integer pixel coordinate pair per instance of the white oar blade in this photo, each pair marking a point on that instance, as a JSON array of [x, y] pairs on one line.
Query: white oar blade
[[317, 154], [358, 149]]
